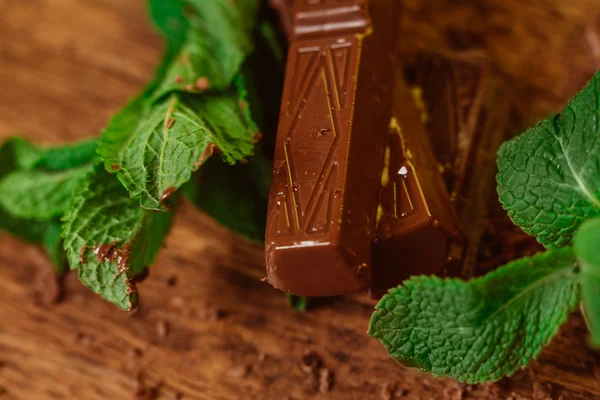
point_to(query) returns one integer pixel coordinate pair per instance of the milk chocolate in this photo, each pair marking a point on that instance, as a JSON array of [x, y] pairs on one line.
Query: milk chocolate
[[451, 91], [332, 132], [417, 229], [465, 111]]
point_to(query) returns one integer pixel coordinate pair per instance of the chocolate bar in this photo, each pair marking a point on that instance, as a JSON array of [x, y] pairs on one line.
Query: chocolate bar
[[417, 229], [332, 132], [465, 111]]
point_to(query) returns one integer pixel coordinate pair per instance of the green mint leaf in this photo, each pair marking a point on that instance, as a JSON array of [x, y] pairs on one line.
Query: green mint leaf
[[169, 18], [68, 156], [29, 230], [586, 249], [172, 139], [484, 329], [27, 213], [218, 41], [102, 213], [233, 195], [549, 177], [38, 195], [17, 153]]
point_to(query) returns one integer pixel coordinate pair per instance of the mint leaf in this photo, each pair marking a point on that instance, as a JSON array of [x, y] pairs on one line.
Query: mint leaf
[[218, 40], [549, 177], [36, 183], [169, 18], [17, 153], [67, 156], [102, 213], [586, 249], [484, 329], [38, 195], [233, 195], [170, 139]]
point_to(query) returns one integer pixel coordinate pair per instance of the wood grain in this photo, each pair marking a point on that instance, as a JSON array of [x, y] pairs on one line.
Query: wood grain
[[208, 328]]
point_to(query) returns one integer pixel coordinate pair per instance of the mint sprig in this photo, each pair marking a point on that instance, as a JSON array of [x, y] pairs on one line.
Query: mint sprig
[[549, 177], [156, 142]]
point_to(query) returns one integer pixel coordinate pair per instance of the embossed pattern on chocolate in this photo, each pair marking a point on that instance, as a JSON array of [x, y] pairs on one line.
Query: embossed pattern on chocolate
[[332, 125]]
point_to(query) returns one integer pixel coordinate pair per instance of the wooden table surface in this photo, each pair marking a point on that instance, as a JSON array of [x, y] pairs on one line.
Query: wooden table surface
[[208, 328]]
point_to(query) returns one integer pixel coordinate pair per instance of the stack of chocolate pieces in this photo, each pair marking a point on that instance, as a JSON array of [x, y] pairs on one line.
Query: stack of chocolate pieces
[[384, 160]]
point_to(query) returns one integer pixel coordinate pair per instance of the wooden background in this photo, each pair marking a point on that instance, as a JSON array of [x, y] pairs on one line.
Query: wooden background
[[208, 328]]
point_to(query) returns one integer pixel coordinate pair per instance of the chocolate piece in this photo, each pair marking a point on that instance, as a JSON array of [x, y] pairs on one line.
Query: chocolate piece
[[468, 110], [451, 91], [417, 231], [465, 111], [332, 131]]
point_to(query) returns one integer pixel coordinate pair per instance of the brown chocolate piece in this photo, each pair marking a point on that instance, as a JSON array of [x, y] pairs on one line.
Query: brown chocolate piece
[[465, 111], [333, 125], [451, 90], [468, 110], [417, 231]]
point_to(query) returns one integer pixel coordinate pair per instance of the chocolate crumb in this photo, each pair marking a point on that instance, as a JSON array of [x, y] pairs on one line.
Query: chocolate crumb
[[178, 79], [311, 362], [172, 280], [170, 122], [115, 167], [189, 87], [242, 105], [202, 84], [162, 329], [257, 137]]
